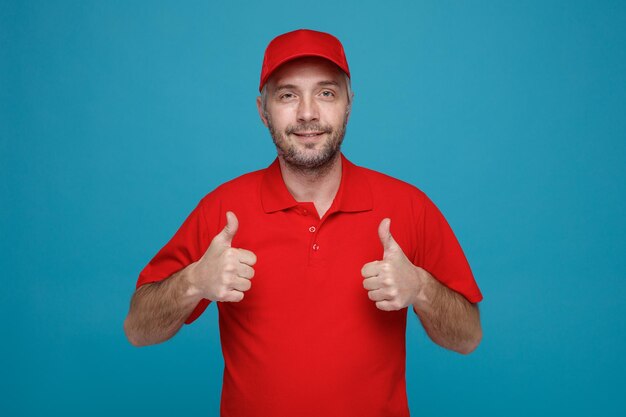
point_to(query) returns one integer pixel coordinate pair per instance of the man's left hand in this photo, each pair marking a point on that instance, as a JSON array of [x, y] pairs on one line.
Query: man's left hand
[[393, 283]]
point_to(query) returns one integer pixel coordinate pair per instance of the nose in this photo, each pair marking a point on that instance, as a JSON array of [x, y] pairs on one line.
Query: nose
[[307, 110]]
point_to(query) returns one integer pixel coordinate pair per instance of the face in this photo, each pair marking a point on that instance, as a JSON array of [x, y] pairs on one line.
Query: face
[[306, 112]]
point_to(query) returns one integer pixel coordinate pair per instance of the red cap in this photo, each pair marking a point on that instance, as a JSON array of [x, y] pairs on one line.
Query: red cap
[[299, 43]]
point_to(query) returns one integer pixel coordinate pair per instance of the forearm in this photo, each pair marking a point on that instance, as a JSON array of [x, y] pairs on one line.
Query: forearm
[[449, 319], [158, 310]]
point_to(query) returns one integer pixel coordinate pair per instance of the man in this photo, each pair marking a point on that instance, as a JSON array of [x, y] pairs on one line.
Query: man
[[313, 261]]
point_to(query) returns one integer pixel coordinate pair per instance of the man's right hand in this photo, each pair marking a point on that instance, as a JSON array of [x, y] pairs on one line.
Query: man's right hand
[[223, 273]]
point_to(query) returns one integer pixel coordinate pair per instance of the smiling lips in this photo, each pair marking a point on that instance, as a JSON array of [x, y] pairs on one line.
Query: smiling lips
[[308, 134]]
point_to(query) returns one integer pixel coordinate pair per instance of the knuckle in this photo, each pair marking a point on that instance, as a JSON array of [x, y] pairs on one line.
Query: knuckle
[[227, 281]]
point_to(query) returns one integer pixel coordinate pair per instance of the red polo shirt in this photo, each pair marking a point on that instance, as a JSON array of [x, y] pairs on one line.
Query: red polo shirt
[[306, 340]]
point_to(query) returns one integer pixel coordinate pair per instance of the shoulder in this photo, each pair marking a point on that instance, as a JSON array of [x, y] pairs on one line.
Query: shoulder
[[388, 187], [238, 188]]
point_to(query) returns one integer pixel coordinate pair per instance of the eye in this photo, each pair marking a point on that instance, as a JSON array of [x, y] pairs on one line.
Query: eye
[[286, 96], [328, 93]]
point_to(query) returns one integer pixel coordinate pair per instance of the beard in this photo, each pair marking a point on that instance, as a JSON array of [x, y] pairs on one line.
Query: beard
[[300, 159]]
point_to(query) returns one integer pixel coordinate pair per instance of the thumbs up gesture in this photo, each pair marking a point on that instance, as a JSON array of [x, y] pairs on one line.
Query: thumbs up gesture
[[394, 282], [223, 273]]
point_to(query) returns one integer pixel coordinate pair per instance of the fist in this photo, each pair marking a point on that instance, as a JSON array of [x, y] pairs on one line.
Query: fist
[[394, 282], [224, 273]]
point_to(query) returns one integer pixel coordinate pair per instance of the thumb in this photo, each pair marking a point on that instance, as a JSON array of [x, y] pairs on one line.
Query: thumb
[[384, 234], [228, 232]]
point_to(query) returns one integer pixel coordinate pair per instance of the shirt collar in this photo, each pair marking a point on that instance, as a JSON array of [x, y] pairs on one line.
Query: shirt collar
[[354, 193]]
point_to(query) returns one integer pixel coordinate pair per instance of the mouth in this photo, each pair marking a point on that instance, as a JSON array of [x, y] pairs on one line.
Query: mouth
[[308, 134]]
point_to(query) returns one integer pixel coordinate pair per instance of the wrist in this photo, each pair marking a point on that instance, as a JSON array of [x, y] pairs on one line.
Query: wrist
[[189, 289], [422, 302]]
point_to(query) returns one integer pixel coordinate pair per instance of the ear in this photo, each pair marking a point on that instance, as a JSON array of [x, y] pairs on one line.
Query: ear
[[349, 108], [260, 110]]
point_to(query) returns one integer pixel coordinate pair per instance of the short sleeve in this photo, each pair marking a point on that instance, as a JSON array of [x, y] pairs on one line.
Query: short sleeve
[[187, 245], [439, 252]]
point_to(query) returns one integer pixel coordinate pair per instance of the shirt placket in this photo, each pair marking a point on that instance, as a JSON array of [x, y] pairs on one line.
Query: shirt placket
[[312, 226]]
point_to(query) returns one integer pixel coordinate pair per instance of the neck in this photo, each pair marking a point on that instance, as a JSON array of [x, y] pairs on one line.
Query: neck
[[318, 185]]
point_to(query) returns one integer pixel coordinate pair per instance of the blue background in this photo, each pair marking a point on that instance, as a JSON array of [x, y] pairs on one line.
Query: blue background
[[116, 117]]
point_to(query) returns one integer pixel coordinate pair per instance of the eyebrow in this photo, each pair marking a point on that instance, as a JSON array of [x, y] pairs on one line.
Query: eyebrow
[[285, 87], [293, 86]]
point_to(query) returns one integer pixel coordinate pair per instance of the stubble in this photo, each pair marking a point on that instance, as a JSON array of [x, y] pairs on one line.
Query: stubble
[[302, 161]]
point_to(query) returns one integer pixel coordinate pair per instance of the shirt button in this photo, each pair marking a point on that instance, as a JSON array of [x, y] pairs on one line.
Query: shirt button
[[305, 211], [316, 246], [312, 229]]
